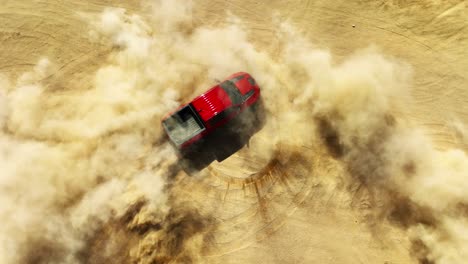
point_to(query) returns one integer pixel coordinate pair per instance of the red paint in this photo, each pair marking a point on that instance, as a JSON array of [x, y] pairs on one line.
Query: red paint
[[217, 101], [243, 84], [211, 103]]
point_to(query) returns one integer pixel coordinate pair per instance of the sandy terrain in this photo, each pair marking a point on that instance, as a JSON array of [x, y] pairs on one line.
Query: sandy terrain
[[362, 158]]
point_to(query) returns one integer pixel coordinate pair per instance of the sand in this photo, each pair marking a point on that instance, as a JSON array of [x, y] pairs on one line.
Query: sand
[[302, 204]]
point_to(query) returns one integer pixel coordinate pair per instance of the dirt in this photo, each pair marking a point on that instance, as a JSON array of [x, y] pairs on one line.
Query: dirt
[[291, 203]]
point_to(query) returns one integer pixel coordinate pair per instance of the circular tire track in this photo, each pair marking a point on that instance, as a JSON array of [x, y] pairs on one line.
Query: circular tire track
[[255, 202]]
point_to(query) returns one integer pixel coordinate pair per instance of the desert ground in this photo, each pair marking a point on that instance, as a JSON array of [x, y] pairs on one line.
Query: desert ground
[[362, 158]]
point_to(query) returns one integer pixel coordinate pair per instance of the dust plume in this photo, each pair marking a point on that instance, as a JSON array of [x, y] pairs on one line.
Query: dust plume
[[86, 176], [408, 180]]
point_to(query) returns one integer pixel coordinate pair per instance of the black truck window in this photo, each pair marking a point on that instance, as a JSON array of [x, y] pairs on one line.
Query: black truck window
[[236, 79], [234, 93]]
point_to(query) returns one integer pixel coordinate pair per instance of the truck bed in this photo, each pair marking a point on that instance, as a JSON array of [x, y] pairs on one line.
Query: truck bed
[[183, 125]]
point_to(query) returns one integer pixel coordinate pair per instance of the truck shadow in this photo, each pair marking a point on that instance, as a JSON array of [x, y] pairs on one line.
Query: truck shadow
[[225, 141]]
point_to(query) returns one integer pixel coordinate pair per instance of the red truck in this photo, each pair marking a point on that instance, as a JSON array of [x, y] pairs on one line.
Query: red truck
[[195, 122]]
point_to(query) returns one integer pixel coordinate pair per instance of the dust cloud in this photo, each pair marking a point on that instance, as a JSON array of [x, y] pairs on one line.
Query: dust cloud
[[86, 177]]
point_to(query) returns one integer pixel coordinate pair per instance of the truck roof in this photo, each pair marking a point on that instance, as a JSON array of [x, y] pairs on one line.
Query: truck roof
[[211, 102]]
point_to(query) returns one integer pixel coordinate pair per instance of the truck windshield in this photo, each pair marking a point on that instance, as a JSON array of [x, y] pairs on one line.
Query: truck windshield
[[234, 94], [183, 125]]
